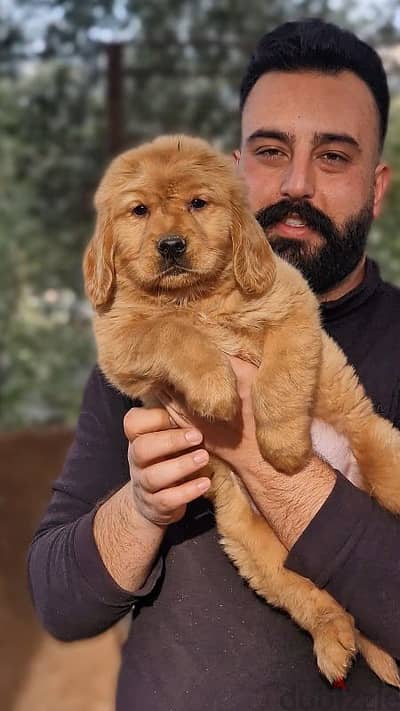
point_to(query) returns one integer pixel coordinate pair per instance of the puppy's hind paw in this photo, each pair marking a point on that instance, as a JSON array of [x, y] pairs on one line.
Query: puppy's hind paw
[[335, 646]]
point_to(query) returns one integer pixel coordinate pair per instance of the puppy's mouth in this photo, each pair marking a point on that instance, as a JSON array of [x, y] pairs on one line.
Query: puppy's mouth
[[175, 274], [174, 269]]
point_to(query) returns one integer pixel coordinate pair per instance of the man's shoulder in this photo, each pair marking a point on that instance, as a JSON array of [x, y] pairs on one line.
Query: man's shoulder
[[391, 289], [389, 302]]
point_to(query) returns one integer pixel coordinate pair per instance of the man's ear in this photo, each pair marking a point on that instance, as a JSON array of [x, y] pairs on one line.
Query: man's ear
[[236, 155], [383, 174], [98, 262]]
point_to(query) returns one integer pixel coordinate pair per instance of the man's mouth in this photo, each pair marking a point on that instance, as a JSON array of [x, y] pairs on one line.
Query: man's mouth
[[294, 222], [292, 226]]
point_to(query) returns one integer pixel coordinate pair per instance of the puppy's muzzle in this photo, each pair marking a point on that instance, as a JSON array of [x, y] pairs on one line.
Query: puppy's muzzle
[[171, 247]]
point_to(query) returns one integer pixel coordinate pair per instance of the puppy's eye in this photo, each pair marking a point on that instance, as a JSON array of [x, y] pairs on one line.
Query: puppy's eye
[[140, 210], [197, 203]]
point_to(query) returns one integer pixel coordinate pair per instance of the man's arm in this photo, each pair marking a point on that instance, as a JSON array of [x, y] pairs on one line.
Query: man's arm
[[95, 552], [289, 503], [127, 542], [73, 592]]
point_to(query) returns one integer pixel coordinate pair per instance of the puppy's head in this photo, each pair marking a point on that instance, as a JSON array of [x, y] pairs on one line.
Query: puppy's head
[[173, 217]]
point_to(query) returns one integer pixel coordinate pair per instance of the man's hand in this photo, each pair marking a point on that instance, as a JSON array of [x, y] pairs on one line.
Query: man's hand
[[130, 525], [164, 474]]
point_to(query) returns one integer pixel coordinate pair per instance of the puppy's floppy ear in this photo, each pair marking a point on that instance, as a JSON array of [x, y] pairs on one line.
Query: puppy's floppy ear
[[253, 259], [98, 261]]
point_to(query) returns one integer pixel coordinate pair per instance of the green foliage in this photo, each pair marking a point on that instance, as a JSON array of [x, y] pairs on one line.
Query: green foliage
[[52, 145], [45, 365]]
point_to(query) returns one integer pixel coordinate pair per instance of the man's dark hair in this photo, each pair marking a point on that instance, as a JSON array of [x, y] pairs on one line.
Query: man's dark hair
[[316, 45]]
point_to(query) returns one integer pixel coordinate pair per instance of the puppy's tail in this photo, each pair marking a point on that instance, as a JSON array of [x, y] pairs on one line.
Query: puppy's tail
[[384, 666]]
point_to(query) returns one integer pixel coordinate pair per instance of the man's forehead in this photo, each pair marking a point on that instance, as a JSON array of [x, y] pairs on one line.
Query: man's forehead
[[311, 103]]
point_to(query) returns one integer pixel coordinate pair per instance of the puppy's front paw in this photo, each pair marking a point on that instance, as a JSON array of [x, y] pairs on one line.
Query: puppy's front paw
[[215, 394], [335, 645], [286, 448]]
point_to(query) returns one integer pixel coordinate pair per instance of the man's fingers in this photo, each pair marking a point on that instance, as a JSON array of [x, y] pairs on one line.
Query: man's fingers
[[154, 446], [175, 409], [168, 500], [169, 473], [140, 420]]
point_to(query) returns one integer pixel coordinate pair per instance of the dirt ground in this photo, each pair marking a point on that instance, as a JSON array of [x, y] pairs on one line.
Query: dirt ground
[[38, 673]]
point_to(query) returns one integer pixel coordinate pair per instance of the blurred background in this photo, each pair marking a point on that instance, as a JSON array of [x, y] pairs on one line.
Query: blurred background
[[79, 81]]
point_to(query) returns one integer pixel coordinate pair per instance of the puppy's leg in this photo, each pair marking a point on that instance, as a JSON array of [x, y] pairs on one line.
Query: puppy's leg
[[172, 351], [375, 443], [259, 556], [283, 391]]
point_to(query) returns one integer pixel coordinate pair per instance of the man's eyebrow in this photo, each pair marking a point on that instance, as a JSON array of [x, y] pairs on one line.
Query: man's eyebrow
[[282, 136], [320, 138]]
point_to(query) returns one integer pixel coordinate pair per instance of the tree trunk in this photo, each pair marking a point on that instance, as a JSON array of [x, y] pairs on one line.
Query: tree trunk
[[115, 98]]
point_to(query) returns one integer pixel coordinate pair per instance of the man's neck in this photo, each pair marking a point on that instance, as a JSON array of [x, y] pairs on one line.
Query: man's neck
[[348, 284]]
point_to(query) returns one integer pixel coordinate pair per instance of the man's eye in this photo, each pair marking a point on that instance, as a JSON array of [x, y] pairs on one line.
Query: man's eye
[[270, 153], [197, 203], [332, 157], [140, 210]]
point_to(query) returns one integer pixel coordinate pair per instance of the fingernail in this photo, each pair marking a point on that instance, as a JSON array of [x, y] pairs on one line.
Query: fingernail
[[193, 436], [203, 484], [201, 456]]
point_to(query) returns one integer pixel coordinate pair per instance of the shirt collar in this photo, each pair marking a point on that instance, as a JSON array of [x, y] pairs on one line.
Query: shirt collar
[[333, 310]]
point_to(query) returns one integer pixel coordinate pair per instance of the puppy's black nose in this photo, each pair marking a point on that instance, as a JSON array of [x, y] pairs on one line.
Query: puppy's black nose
[[171, 246]]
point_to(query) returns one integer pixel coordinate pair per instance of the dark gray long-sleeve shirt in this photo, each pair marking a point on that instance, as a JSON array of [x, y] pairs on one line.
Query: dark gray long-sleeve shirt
[[200, 638]]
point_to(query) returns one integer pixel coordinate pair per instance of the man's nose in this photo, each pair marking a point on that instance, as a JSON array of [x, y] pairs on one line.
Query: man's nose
[[298, 180], [171, 246]]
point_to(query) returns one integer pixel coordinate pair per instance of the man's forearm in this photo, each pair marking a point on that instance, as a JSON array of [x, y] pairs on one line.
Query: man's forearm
[[289, 503], [127, 542]]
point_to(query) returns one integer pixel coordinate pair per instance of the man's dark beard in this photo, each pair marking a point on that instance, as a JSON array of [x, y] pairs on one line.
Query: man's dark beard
[[324, 266]]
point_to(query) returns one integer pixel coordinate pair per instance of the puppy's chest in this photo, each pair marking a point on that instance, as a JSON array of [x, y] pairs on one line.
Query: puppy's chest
[[233, 334]]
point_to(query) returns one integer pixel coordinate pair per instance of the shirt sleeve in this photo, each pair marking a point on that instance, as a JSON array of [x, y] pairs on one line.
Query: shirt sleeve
[[73, 592], [352, 549]]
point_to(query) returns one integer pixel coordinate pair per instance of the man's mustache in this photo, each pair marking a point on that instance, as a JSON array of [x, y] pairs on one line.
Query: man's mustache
[[314, 218]]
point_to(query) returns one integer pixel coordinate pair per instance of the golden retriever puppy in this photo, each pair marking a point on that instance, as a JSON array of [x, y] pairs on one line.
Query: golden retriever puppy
[[180, 276]]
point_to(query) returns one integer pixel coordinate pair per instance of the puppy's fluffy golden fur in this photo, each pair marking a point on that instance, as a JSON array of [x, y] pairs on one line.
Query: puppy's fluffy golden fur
[[161, 321]]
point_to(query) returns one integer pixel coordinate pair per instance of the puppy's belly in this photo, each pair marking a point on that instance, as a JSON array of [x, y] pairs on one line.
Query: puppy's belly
[[335, 449]]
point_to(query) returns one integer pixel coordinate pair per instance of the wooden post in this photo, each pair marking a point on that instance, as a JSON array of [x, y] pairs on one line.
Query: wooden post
[[114, 98]]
